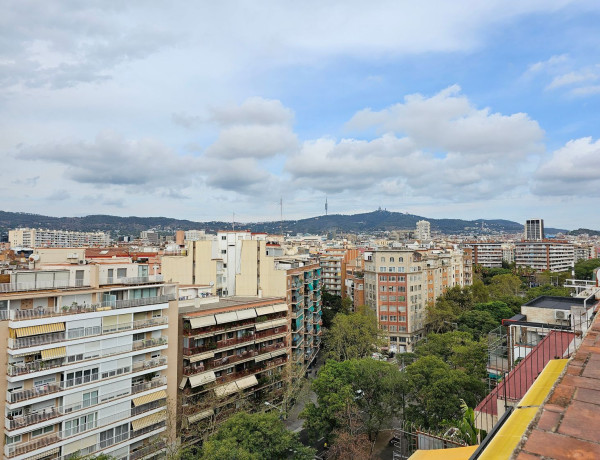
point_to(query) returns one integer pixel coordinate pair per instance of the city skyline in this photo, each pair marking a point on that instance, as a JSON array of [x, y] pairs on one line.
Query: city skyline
[[200, 111]]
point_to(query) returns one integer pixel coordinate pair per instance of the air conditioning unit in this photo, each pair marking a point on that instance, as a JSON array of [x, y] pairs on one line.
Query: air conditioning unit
[[81, 262], [560, 314]]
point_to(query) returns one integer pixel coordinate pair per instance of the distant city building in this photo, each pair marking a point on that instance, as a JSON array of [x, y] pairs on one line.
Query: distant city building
[[556, 256], [423, 230], [195, 235], [491, 254], [44, 238], [150, 236], [534, 230]]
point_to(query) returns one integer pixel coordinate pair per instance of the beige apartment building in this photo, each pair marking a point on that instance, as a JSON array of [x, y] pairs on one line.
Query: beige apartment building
[[555, 256], [399, 283], [40, 238], [87, 354]]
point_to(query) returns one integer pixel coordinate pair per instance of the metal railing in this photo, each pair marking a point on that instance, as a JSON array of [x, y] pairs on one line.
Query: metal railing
[[48, 388], [33, 341], [35, 313], [33, 417], [42, 365], [41, 285], [133, 279]]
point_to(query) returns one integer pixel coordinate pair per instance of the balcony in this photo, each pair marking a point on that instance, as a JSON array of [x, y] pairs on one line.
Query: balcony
[[213, 330], [34, 341], [216, 363], [148, 449], [48, 388], [41, 286], [36, 313], [42, 365], [271, 332], [20, 449], [133, 280]]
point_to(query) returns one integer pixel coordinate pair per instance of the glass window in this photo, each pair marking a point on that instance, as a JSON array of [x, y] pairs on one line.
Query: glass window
[[90, 399]]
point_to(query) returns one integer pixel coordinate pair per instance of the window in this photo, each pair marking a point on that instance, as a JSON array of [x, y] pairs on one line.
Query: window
[[383, 298], [392, 269], [90, 399], [382, 288], [114, 435], [382, 278], [392, 298], [382, 259], [393, 328], [41, 431], [224, 237], [392, 278], [383, 318], [393, 319], [223, 251], [391, 259], [43, 381], [156, 313], [12, 439], [383, 307], [121, 272]]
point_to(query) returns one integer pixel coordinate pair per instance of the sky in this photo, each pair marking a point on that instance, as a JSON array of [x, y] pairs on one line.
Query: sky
[[205, 110]]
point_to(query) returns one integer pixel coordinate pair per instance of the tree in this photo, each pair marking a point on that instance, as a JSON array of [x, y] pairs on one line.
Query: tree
[[458, 350], [505, 284], [435, 390], [355, 396], [353, 336], [547, 289], [260, 436], [477, 323], [440, 316], [348, 446], [479, 291], [332, 305], [584, 269], [499, 310]]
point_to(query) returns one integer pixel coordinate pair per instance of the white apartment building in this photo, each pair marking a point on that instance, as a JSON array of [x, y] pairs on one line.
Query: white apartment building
[[423, 230], [86, 362], [534, 230], [43, 238], [488, 255], [555, 256]]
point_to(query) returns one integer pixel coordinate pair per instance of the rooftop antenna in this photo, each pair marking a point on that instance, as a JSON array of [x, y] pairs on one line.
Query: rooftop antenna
[[281, 215], [325, 204]]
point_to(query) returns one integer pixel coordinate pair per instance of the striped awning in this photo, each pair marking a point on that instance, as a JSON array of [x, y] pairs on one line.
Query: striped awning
[[247, 382], [202, 321], [201, 356], [226, 389], [148, 420], [281, 352], [200, 415], [265, 310], [54, 353], [270, 324], [201, 379], [262, 357], [226, 317], [183, 382], [149, 398], [246, 314], [42, 329], [44, 454], [280, 307]]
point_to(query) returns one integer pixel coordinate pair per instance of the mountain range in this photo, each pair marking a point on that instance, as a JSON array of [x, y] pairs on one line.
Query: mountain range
[[380, 220]]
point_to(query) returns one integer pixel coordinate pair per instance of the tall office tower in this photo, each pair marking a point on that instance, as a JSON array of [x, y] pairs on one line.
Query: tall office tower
[[534, 229], [423, 230]]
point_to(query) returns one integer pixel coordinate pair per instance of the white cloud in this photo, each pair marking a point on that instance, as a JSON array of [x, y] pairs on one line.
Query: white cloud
[[572, 170]]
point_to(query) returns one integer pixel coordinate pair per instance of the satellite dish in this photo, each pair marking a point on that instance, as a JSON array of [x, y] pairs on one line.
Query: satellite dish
[[212, 283]]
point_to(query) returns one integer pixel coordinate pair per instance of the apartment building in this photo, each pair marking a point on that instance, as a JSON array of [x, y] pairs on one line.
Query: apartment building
[[251, 265], [489, 255], [555, 256], [399, 284], [534, 230], [333, 263], [423, 232], [40, 238], [87, 350], [235, 355]]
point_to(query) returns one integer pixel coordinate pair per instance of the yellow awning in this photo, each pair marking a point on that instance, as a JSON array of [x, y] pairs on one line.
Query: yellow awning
[[54, 353], [149, 398], [44, 454], [201, 356], [200, 415], [183, 382], [148, 420], [42, 329]]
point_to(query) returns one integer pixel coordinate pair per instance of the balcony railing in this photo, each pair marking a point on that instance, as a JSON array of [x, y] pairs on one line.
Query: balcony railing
[[196, 368], [35, 313], [219, 328], [134, 280], [42, 365], [33, 341], [48, 388], [15, 423], [41, 285], [146, 450]]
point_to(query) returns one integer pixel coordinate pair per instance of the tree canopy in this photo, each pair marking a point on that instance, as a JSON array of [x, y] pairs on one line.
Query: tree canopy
[[254, 437], [353, 336], [584, 269]]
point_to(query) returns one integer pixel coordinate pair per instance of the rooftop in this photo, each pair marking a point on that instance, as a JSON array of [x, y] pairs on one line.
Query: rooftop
[[556, 303], [229, 303]]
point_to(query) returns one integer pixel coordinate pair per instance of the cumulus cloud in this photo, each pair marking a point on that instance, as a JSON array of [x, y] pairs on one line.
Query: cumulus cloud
[[113, 160], [447, 121], [447, 148], [572, 170]]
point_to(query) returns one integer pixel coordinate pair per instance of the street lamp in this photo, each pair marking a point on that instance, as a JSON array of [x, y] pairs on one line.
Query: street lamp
[[267, 403]]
